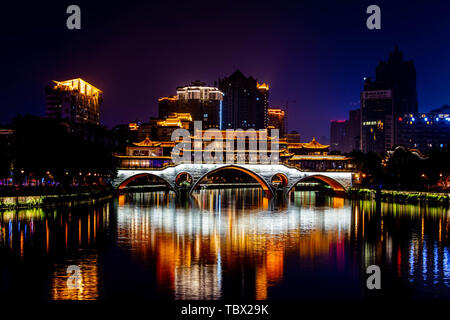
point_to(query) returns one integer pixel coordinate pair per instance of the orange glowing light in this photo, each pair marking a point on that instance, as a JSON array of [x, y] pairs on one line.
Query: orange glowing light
[[263, 86], [78, 85]]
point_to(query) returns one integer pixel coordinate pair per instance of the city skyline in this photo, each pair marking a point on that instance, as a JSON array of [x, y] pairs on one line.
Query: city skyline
[[301, 54], [226, 159]]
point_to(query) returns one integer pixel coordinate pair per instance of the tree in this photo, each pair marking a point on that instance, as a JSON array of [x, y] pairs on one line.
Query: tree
[[45, 148]]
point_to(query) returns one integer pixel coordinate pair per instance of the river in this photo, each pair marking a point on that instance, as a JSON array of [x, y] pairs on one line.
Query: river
[[222, 244]]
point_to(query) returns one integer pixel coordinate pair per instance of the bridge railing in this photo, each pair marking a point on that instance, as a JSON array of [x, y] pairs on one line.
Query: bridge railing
[[238, 163]]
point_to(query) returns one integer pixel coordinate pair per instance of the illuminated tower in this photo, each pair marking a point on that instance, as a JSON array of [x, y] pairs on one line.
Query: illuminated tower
[[263, 103], [75, 101]]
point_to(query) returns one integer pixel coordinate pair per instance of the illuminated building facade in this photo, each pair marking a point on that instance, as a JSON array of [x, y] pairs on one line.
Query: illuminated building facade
[[377, 125], [147, 154], [390, 96], [310, 156], [424, 131], [162, 129], [249, 144], [277, 120], [263, 99], [75, 101], [245, 102], [313, 156], [202, 102]]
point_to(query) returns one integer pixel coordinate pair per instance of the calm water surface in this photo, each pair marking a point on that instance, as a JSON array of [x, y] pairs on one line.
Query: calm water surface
[[223, 244]]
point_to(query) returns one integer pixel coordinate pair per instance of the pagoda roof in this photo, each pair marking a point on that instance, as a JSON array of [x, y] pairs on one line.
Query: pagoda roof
[[144, 143], [315, 145], [319, 157]]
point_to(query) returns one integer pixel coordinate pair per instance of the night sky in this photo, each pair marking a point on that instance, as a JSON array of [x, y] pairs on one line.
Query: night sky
[[313, 52]]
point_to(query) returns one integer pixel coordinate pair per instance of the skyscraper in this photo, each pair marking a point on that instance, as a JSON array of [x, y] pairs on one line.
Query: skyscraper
[[75, 101], [392, 94], [399, 76], [244, 102], [262, 101], [377, 127]]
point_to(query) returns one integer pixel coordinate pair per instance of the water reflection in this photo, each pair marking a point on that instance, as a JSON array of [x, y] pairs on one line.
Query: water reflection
[[226, 244], [38, 243], [221, 233]]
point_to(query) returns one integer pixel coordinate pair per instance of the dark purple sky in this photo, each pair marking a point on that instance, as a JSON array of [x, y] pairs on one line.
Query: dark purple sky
[[313, 52]]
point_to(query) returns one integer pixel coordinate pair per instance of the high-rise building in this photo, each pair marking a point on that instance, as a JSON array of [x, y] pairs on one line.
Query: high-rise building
[[277, 120], [344, 134], [392, 94], [244, 102], [202, 102], [338, 135], [353, 131], [399, 76], [425, 131], [75, 101], [377, 127], [263, 99]]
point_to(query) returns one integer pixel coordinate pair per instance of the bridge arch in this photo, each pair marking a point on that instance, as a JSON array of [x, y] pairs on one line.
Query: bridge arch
[[125, 182], [279, 179], [183, 176], [333, 183], [264, 184]]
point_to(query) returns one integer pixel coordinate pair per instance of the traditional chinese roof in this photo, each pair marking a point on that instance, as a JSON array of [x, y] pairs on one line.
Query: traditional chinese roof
[[145, 143], [319, 157], [314, 145], [295, 145]]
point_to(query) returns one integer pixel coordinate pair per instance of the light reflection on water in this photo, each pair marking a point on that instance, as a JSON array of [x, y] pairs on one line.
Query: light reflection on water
[[229, 244]]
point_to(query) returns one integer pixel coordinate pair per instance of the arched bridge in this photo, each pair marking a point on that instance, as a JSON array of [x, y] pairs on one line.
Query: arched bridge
[[264, 174]]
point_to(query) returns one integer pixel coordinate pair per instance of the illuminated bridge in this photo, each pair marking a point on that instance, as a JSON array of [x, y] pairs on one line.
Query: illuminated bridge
[[272, 178]]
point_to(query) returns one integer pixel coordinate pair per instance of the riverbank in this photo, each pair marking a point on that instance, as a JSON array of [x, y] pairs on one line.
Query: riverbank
[[58, 199], [410, 197]]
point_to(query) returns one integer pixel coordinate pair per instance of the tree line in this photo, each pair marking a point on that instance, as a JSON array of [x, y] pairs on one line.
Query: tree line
[[404, 169], [47, 151]]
